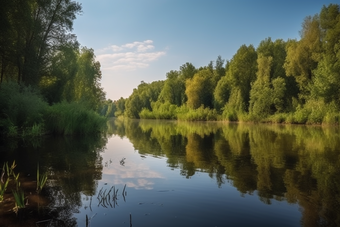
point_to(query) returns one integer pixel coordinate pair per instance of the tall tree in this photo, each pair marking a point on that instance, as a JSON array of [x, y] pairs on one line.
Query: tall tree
[[142, 97], [35, 28], [199, 89], [241, 73], [326, 82], [87, 87], [174, 89], [188, 71], [304, 55]]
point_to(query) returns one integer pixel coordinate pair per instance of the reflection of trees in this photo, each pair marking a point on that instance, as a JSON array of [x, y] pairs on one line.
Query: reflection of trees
[[73, 165], [299, 164], [233, 154]]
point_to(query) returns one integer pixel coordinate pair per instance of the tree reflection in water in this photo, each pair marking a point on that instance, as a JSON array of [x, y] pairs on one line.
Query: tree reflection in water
[[74, 166], [298, 164]]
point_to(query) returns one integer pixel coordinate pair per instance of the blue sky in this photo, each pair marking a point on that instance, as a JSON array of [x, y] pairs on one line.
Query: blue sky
[[142, 40]]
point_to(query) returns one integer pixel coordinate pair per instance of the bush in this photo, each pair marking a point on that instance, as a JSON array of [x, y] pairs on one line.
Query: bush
[[21, 107], [160, 111], [73, 118], [199, 114]]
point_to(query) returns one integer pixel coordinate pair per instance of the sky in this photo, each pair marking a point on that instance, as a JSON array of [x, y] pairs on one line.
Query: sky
[[142, 40]]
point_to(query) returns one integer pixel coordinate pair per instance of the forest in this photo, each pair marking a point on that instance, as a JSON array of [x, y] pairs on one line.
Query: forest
[[293, 81], [49, 82]]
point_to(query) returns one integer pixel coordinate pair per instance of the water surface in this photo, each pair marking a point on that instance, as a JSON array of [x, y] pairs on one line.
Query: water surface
[[169, 173]]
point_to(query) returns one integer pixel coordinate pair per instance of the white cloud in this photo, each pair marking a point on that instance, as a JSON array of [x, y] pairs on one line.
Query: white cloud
[[129, 56], [135, 175]]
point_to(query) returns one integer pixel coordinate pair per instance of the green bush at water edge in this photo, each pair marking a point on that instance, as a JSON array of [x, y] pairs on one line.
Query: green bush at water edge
[[73, 118]]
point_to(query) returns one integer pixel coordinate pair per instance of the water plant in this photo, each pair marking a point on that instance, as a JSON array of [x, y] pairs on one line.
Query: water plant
[[8, 170], [110, 197], [19, 199], [3, 188], [41, 179]]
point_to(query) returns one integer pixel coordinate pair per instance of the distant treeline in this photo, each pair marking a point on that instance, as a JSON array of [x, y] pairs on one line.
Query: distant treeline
[[294, 81], [42, 64]]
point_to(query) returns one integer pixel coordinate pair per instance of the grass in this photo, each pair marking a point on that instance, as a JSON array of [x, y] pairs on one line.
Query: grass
[[110, 197], [3, 188], [19, 199], [73, 119], [41, 179], [18, 193], [34, 131]]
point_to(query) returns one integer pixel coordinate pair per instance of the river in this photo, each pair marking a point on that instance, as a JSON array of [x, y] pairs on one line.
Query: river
[[170, 173]]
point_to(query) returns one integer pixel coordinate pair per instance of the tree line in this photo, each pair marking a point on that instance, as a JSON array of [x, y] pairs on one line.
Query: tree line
[[293, 81], [39, 53]]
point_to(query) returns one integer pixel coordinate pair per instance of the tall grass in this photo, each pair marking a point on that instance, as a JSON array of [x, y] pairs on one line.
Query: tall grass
[[19, 198], [8, 171], [200, 114], [73, 118], [41, 179], [3, 188]]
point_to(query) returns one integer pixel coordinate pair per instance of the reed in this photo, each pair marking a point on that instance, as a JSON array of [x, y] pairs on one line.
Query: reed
[[34, 131], [41, 179], [7, 170], [3, 188], [19, 199], [110, 197]]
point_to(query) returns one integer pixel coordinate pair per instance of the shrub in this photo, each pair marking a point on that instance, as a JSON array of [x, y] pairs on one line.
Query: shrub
[[199, 114], [20, 107], [73, 118]]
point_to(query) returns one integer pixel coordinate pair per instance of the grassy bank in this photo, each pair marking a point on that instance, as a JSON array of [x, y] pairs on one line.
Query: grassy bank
[[313, 112], [25, 113]]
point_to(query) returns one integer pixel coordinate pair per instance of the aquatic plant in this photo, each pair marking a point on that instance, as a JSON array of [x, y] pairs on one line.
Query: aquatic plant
[[8, 170], [3, 188], [41, 179], [110, 197], [34, 131], [19, 199]]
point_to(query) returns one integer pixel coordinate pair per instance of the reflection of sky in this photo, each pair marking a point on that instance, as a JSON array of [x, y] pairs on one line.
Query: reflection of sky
[[160, 196], [122, 166]]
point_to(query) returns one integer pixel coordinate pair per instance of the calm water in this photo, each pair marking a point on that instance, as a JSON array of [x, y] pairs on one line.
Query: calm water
[[168, 173]]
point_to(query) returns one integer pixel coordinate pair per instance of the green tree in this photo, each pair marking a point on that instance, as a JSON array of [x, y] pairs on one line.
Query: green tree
[[219, 69], [222, 92], [199, 89], [87, 88], [326, 83], [120, 106], [58, 84], [174, 89], [188, 71], [261, 93], [34, 31], [304, 55], [142, 97], [241, 73]]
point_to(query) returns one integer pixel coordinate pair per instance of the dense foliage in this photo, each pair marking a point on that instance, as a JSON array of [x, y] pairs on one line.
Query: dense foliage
[[41, 64], [293, 81]]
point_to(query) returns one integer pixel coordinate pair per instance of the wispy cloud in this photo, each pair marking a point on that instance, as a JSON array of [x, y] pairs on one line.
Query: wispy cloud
[[130, 56]]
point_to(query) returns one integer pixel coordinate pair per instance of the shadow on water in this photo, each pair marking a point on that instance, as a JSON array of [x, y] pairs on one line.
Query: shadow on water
[[275, 163], [73, 165]]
